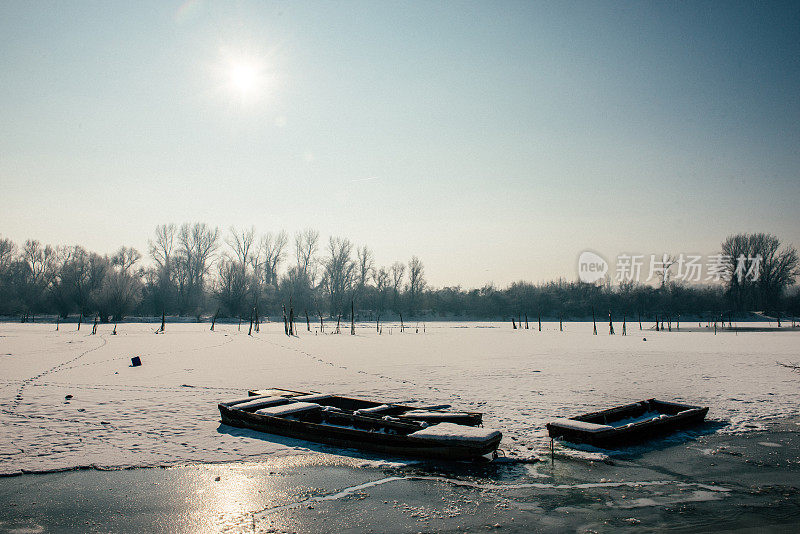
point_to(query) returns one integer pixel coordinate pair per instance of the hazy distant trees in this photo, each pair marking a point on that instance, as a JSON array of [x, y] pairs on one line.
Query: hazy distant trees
[[193, 271]]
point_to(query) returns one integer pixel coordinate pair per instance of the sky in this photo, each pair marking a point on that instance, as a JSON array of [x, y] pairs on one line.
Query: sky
[[496, 141]]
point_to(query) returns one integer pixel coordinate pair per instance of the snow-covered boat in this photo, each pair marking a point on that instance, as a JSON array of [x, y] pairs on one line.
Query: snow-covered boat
[[627, 424], [348, 422]]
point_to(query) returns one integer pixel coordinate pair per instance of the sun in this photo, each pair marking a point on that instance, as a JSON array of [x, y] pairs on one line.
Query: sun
[[244, 78]]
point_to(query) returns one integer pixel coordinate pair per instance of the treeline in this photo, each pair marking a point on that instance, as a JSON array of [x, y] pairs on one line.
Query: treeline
[[195, 272]]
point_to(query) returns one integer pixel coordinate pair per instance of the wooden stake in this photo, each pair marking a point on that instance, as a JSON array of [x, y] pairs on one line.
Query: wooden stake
[[594, 323]]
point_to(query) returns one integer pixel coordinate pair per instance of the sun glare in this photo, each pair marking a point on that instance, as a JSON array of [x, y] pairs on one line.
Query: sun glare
[[244, 78]]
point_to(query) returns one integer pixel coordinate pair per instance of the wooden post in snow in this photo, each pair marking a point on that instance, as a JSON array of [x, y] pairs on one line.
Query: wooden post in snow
[[624, 329], [594, 323], [214, 320], [526, 320], [540, 321], [57, 321], [610, 324], [308, 322], [352, 317], [163, 319], [640, 319], [513, 324], [402, 327], [80, 318], [560, 322], [285, 320], [250, 330]]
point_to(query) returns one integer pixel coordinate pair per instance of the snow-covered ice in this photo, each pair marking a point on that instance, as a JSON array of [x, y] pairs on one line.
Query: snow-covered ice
[[165, 411]]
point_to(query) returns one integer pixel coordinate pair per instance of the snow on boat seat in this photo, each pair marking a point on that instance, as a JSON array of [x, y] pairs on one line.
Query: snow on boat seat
[[427, 414], [453, 432], [245, 399], [261, 402], [583, 426], [374, 410], [293, 408], [311, 398]]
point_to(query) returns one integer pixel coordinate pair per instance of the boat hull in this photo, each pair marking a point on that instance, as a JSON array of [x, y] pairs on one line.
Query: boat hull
[[397, 445], [673, 417]]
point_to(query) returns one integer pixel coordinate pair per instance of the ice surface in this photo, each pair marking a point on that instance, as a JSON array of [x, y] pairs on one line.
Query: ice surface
[[454, 432], [165, 411]]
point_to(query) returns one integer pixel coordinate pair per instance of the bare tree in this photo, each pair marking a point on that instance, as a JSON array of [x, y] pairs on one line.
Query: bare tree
[[197, 245], [164, 283], [339, 271], [118, 294], [758, 270], [397, 272], [416, 281], [306, 244], [365, 266], [7, 251], [232, 287], [162, 248], [241, 242], [381, 279], [125, 258], [272, 250]]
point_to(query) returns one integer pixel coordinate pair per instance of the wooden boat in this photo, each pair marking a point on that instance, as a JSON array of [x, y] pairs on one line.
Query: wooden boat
[[627, 424], [348, 422]]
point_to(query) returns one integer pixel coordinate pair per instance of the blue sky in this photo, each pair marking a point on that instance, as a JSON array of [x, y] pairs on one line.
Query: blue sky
[[494, 140]]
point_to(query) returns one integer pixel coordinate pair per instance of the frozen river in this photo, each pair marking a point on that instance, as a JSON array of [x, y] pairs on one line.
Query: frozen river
[[165, 411]]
